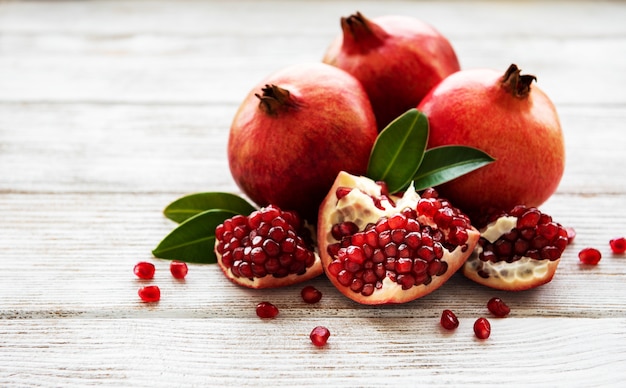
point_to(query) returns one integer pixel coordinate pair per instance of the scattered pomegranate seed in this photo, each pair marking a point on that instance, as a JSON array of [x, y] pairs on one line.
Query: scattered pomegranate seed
[[178, 269], [149, 293], [482, 328], [311, 294], [498, 308], [590, 256], [449, 321], [618, 245], [144, 270], [571, 234], [266, 310], [319, 336]]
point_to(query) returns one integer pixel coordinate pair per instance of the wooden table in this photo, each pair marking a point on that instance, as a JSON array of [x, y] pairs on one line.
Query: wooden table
[[110, 110]]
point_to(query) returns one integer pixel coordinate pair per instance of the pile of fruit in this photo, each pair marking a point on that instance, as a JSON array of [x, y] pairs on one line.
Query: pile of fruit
[[339, 159]]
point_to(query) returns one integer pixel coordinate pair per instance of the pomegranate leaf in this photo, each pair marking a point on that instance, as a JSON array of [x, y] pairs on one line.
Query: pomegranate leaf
[[442, 164], [194, 239], [190, 205], [398, 150]]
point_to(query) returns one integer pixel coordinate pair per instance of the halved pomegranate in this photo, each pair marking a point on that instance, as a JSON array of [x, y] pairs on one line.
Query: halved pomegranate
[[517, 250], [269, 248], [377, 248]]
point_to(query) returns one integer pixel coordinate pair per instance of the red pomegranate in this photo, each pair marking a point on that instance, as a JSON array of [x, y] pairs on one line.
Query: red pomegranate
[[295, 131], [509, 118], [398, 59], [378, 248]]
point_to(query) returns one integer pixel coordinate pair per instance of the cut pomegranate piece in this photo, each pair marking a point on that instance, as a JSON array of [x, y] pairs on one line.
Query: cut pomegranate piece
[[149, 294], [482, 328], [319, 336], [266, 310], [178, 269], [448, 320], [589, 256], [618, 245], [268, 248], [404, 248], [498, 308], [517, 250], [144, 270]]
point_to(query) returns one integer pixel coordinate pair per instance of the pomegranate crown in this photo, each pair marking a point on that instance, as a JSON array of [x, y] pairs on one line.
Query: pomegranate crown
[[274, 98], [515, 83]]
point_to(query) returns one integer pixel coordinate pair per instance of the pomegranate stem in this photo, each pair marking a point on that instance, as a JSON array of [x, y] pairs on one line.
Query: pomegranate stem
[[515, 83], [274, 99], [361, 34]]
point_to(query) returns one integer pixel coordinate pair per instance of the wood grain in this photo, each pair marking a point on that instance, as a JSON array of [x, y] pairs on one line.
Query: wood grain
[[110, 110]]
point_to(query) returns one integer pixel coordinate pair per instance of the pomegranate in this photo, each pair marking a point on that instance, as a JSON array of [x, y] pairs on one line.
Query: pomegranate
[[448, 320], [311, 295], [144, 270], [398, 59], [517, 250], [268, 248], [511, 120], [618, 245], [482, 328], [266, 310], [589, 256], [498, 308], [378, 248], [295, 131], [319, 336], [149, 294]]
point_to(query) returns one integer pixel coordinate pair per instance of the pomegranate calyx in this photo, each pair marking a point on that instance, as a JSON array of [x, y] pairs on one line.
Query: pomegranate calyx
[[274, 99], [515, 83], [360, 34]]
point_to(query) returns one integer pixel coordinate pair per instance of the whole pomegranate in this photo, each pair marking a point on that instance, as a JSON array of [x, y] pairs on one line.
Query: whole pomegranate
[[295, 131], [398, 59], [378, 248], [509, 118]]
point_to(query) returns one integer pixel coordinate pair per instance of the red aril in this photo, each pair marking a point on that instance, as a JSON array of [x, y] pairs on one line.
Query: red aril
[[295, 131], [311, 294], [507, 117], [378, 248], [319, 336], [589, 256], [448, 320], [178, 269], [398, 59], [149, 293], [266, 310], [268, 248], [518, 249], [144, 270], [498, 308], [618, 245], [482, 328]]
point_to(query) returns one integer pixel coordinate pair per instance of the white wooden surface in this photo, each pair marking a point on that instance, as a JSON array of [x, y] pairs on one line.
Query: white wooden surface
[[110, 110]]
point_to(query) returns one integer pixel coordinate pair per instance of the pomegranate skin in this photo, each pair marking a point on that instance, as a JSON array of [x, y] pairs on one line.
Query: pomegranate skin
[[398, 59], [521, 131], [288, 153]]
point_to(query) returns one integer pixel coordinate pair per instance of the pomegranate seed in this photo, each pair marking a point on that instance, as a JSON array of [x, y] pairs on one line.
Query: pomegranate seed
[[266, 310], [498, 308], [144, 270], [449, 321], [319, 336], [571, 234], [311, 294], [482, 328], [178, 269], [618, 245], [149, 293], [590, 256]]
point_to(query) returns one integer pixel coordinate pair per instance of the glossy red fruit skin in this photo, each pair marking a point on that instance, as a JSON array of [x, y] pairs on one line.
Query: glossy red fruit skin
[[448, 320], [398, 59], [523, 134], [589, 256], [144, 270], [178, 269], [319, 336], [149, 294], [482, 328], [618, 245], [290, 156]]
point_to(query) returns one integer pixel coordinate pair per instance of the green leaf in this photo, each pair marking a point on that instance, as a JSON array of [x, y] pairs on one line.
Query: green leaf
[[442, 164], [398, 150], [194, 239], [190, 205]]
